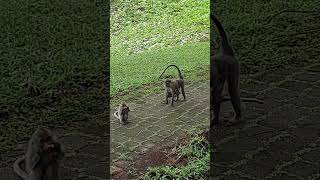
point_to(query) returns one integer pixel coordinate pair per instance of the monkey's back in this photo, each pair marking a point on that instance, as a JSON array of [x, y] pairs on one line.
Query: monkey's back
[[224, 65]]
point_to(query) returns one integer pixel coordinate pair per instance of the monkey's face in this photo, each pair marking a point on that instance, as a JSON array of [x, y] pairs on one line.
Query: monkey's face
[[48, 145], [126, 109], [167, 83]]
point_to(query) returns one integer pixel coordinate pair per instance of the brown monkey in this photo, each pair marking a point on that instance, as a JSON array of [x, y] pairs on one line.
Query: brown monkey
[[42, 157], [224, 67], [172, 86], [122, 113]]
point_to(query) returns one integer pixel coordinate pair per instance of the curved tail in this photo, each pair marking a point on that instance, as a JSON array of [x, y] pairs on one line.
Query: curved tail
[[225, 47], [116, 114], [180, 75], [17, 168]]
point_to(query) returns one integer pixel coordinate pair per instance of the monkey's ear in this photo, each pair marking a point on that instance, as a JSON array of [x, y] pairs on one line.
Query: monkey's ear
[[34, 160]]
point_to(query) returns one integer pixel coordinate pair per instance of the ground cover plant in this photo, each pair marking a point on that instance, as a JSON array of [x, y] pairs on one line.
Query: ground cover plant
[[196, 151], [182, 157]]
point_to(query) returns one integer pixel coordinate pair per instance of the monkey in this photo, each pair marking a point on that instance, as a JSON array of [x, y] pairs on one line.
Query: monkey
[[42, 158], [224, 67], [172, 86], [122, 113]]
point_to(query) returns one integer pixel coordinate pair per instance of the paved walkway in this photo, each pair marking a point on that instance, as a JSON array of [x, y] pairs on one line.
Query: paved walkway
[[280, 139], [152, 121]]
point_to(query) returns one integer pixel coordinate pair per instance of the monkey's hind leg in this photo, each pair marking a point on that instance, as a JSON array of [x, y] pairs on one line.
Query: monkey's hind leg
[[234, 91], [217, 91], [177, 93], [183, 93]]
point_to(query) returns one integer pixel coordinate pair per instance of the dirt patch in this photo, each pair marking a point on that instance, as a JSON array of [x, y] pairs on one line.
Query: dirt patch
[[164, 153]]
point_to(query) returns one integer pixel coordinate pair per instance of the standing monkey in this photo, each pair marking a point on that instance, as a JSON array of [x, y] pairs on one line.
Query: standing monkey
[[172, 86], [42, 158], [224, 67]]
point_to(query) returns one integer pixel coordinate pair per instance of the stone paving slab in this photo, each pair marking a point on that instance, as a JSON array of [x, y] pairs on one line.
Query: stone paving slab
[[152, 121], [279, 139]]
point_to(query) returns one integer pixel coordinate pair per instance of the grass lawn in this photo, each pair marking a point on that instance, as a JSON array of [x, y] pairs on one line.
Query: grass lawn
[[288, 39], [141, 71], [139, 25], [52, 67], [146, 36]]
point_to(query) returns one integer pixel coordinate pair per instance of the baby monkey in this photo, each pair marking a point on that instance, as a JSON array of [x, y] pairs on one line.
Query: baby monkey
[[172, 86], [122, 113]]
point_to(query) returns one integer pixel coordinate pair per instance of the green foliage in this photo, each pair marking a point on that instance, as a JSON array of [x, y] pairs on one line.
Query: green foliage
[[197, 148], [198, 155]]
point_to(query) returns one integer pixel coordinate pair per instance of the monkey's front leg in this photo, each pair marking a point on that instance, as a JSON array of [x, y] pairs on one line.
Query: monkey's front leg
[[121, 118], [167, 97], [173, 95]]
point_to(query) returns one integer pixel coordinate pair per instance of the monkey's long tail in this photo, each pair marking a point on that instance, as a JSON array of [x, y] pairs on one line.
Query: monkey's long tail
[[180, 75], [243, 99], [17, 168], [116, 115], [224, 40]]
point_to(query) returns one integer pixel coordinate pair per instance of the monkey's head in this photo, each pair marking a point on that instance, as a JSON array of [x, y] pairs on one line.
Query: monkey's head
[[125, 107], [167, 83], [47, 144]]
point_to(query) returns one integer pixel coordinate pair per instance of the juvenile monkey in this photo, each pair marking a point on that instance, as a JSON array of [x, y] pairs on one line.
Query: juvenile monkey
[[172, 86], [122, 113], [224, 67], [42, 158]]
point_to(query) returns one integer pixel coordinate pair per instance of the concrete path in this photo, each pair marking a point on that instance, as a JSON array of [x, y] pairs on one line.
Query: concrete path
[[280, 139], [152, 121]]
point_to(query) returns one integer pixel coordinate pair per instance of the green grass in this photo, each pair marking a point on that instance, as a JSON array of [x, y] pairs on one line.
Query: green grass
[[197, 167], [146, 36], [290, 39], [52, 70], [133, 71], [139, 25]]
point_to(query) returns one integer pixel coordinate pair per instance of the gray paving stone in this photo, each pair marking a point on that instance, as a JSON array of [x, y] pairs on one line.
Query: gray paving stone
[[158, 121]]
